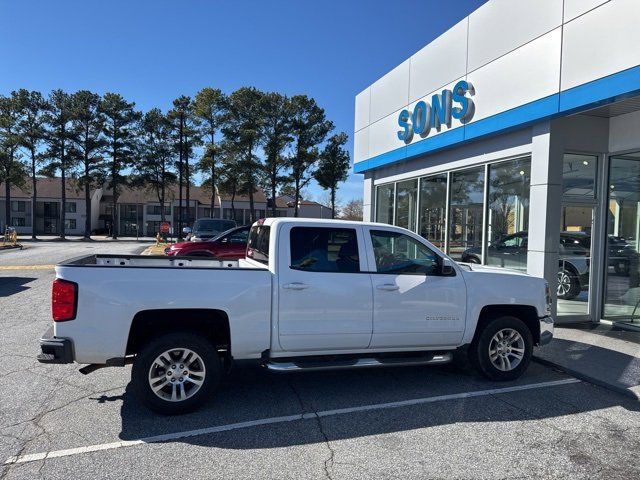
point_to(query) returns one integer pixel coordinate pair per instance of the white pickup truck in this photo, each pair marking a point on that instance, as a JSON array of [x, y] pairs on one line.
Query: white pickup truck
[[311, 294]]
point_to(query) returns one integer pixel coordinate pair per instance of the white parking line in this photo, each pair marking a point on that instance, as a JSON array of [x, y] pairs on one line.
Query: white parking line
[[32, 457]]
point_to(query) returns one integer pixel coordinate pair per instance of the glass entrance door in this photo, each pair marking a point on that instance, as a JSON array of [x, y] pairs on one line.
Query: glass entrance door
[[574, 256], [622, 276]]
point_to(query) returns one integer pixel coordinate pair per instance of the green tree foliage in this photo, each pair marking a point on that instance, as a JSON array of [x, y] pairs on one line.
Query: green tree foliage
[[277, 113], [231, 177], [120, 130], [208, 165], [243, 128], [12, 169], [243, 141], [310, 128], [210, 108], [157, 153], [59, 155], [32, 132], [89, 144], [333, 166]]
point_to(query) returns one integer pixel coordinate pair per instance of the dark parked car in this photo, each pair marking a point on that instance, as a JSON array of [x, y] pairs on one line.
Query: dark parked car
[[229, 245], [209, 228], [573, 263], [621, 255]]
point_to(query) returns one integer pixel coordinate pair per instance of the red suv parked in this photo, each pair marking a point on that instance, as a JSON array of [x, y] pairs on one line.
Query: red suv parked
[[230, 245]]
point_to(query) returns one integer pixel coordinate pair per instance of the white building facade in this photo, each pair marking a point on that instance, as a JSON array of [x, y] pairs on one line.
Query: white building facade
[[513, 140]]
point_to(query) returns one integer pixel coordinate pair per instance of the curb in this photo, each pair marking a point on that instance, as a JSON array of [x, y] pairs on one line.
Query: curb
[[11, 247], [587, 378]]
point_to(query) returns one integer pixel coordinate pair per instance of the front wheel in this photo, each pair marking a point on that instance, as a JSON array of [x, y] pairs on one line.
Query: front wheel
[[175, 373], [503, 349]]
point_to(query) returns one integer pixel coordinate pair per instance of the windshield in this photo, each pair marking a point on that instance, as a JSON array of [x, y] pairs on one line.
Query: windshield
[[238, 231], [213, 225]]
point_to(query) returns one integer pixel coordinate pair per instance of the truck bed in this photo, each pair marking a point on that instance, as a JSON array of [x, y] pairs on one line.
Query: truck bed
[[143, 261]]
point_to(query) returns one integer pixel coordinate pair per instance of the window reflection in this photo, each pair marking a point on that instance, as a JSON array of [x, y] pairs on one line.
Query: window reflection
[[406, 203], [508, 214], [384, 203], [467, 203], [622, 292], [433, 201]]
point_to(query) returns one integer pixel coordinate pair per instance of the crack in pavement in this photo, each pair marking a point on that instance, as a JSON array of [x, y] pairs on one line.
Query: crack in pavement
[[37, 422], [328, 462]]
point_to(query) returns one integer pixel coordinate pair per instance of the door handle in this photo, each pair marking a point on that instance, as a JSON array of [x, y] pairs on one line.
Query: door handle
[[389, 287], [295, 286]]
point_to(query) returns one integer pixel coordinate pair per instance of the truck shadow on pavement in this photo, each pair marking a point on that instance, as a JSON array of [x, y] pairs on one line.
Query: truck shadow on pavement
[[12, 285], [252, 394]]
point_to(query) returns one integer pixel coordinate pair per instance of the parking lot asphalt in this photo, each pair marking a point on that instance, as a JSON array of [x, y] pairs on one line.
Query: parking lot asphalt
[[444, 422]]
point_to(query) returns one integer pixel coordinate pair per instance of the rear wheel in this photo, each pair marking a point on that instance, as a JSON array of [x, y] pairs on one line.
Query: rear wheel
[[568, 284], [503, 349], [175, 373]]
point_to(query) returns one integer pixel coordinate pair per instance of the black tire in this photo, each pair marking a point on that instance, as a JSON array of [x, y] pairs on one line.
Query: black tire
[[480, 356], [568, 284], [146, 360]]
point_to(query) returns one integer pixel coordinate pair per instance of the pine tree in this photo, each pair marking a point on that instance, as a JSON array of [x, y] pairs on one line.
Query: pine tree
[[277, 113], [153, 169], [120, 125], [210, 107], [32, 132], [310, 128], [333, 166], [243, 128], [59, 155], [89, 144], [11, 167]]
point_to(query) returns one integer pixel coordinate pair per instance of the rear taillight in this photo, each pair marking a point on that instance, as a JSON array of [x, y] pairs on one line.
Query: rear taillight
[[64, 300]]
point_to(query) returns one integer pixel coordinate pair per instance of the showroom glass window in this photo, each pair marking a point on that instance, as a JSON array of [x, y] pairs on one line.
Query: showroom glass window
[[622, 290], [579, 175], [406, 204], [384, 203], [467, 204], [432, 209], [508, 213]]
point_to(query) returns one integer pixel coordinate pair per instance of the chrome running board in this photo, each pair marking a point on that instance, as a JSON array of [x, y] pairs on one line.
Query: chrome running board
[[302, 364]]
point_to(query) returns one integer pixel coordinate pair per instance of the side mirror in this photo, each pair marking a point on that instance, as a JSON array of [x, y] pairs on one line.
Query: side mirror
[[446, 268]]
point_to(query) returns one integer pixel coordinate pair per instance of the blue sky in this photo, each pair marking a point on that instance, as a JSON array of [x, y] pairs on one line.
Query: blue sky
[[153, 51]]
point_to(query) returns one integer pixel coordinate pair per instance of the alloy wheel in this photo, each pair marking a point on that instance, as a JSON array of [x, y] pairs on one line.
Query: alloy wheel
[[177, 374], [506, 349], [564, 284]]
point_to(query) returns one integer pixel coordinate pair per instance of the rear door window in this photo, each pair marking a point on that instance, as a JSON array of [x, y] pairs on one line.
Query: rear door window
[[322, 249], [258, 245]]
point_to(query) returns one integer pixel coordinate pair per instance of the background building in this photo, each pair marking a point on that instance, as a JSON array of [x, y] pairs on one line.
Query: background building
[[520, 122], [139, 211]]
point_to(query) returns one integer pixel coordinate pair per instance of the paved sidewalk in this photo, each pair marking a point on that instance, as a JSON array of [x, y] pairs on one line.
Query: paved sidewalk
[[605, 355]]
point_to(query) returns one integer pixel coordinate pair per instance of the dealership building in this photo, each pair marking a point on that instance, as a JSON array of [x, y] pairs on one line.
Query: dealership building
[[513, 140]]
